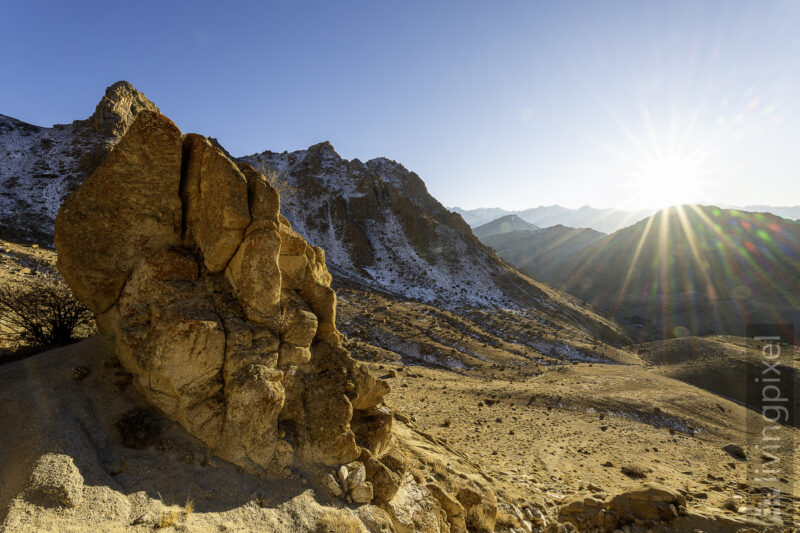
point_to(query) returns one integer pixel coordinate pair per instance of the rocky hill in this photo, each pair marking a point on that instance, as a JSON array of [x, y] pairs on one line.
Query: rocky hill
[[503, 225], [690, 270], [542, 252], [39, 166]]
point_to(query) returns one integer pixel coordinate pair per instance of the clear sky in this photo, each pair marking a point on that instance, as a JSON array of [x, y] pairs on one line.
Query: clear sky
[[509, 104]]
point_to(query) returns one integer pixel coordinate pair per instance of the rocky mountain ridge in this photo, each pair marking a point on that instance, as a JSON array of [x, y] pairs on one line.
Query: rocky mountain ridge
[[689, 270], [543, 251], [382, 231]]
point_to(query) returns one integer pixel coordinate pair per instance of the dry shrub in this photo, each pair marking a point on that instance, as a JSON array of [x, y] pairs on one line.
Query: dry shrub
[[139, 428], [189, 507], [507, 520], [479, 520], [279, 180], [634, 471], [333, 521], [167, 520], [43, 313]]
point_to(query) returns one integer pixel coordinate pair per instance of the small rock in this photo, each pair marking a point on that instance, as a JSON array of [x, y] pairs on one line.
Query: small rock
[[537, 518], [342, 473], [401, 417], [56, 481], [332, 485], [362, 493], [735, 451], [144, 520], [79, 373], [357, 475], [733, 503]]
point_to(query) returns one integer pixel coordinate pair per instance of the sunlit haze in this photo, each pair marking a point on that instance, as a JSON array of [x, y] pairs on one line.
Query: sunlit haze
[[611, 104]]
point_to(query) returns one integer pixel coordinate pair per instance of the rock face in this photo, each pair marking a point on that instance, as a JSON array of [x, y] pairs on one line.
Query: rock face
[[221, 311], [117, 109]]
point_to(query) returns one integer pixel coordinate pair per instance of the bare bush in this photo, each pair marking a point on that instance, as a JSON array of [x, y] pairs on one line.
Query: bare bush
[[279, 180], [42, 313]]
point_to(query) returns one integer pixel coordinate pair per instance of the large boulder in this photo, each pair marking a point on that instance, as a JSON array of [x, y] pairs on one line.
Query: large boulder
[[127, 209], [221, 311], [651, 501]]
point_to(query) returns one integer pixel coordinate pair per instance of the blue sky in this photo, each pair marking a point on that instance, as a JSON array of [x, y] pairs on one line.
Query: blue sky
[[510, 104]]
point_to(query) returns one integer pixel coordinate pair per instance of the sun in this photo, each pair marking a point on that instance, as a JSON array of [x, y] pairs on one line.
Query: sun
[[667, 181]]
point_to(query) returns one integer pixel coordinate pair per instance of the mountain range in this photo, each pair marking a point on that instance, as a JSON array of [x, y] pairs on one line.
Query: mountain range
[[604, 220], [380, 228], [691, 270]]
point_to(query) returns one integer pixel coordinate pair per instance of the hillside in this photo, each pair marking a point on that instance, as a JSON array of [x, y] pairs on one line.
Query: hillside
[[506, 224], [722, 365], [692, 270], [544, 251]]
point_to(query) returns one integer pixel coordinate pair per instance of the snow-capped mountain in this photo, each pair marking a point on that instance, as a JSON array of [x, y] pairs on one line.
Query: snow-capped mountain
[[382, 231], [380, 227], [39, 166]]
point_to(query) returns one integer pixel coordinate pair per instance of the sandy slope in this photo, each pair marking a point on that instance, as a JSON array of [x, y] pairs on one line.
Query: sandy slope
[[569, 430]]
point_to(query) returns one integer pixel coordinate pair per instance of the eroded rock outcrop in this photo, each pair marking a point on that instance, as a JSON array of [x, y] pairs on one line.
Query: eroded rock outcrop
[[222, 312]]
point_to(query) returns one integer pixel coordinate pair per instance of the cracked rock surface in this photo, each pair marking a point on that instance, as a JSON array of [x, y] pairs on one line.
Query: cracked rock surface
[[222, 312]]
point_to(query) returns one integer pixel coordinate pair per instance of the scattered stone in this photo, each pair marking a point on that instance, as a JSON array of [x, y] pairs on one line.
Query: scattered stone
[[634, 471], [649, 502], [342, 473], [735, 451], [145, 519], [79, 373], [357, 474]]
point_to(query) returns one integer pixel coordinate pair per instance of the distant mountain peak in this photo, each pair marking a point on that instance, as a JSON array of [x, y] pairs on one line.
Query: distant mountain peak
[[502, 225]]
